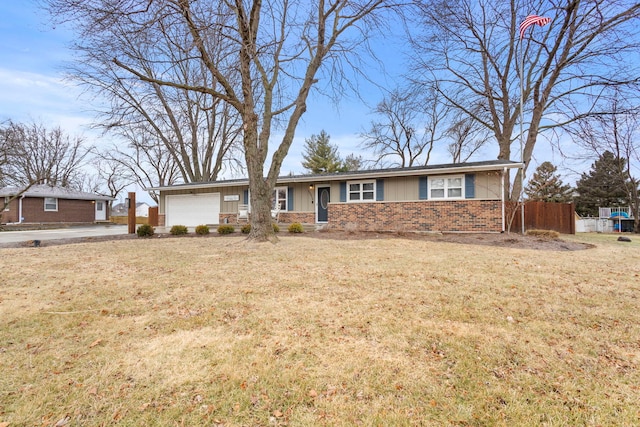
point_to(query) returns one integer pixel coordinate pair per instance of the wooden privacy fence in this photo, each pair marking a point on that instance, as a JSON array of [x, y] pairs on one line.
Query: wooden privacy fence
[[152, 219], [153, 216], [559, 217], [125, 220]]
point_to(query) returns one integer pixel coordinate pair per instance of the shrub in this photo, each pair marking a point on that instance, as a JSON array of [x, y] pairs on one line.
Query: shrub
[[178, 230], [145, 230], [226, 229], [202, 230], [545, 234], [296, 227], [276, 228]]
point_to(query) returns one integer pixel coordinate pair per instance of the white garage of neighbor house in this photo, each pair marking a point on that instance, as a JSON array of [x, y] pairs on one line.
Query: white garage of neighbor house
[[461, 197], [192, 209]]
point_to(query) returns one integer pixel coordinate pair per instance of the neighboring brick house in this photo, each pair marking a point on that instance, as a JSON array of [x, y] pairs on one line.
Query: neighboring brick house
[[42, 204], [463, 197]]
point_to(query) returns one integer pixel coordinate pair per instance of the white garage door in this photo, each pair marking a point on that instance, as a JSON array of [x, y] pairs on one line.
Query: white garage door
[[192, 209]]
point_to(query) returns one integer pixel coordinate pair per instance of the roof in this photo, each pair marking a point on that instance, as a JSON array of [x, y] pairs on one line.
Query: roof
[[361, 174], [49, 191]]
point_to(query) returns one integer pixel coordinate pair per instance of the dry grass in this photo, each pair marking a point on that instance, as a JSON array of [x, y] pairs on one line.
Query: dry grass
[[547, 234], [318, 332]]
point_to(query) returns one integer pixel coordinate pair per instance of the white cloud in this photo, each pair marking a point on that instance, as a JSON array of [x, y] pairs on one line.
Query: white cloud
[[26, 96]]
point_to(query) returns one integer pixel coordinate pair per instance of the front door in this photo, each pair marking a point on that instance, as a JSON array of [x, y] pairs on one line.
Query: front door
[[101, 211], [323, 200]]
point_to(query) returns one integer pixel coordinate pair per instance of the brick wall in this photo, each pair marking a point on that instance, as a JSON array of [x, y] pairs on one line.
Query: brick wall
[[283, 217], [446, 216], [12, 214], [68, 211], [231, 218], [471, 216], [301, 217]]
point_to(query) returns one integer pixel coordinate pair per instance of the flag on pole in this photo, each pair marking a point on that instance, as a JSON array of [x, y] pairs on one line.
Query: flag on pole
[[532, 20]]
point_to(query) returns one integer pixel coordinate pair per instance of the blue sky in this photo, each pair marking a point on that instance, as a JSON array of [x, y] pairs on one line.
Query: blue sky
[[31, 82], [32, 86]]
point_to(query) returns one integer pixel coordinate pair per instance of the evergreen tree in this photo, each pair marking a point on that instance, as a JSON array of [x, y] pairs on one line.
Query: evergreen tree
[[603, 186], [352, 163], [546, 186], [320, 156]]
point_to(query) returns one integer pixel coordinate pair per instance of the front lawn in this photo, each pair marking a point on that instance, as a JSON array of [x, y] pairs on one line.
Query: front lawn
[[379, 331]]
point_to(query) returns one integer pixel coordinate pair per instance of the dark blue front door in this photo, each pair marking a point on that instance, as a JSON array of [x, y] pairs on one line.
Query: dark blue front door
[[323, 199]]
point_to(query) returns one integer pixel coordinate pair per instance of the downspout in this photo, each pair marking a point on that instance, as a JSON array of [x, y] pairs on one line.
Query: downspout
[[504, 172], [20, 209]]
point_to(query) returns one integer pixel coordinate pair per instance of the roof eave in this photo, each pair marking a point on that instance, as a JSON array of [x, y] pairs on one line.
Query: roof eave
[[349, 176], [14, 192]]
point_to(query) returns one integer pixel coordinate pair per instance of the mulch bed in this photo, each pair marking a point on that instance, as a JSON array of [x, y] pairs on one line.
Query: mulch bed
[[497, 239]]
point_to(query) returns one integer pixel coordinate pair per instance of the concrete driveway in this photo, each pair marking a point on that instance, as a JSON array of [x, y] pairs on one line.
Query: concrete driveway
[[62, 233]]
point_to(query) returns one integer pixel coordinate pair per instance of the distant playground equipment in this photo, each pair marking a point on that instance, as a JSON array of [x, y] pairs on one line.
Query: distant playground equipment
[[619, 215], [618, 226]]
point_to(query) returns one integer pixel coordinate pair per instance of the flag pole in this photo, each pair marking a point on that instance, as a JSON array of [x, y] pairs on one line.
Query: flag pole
[[521, 195], [528, 21]]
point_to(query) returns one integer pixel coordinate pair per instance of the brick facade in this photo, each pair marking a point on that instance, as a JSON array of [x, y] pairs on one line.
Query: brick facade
[[10, 215], [478, 216], [283, 217], [301, 217], [71, 211], [470, 216], [229, 218]]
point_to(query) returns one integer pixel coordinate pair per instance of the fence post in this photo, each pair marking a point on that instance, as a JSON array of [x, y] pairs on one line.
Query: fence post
[[131, 218]]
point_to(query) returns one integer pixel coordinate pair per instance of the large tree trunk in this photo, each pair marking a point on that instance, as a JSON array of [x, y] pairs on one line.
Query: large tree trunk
[[261, 220], [260, 188]]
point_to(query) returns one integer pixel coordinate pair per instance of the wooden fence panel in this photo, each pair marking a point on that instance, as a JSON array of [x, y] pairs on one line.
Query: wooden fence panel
[[125, 220], [559, 217], [153, 216]]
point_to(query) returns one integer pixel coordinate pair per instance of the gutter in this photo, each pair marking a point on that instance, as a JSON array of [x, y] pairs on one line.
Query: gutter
[[20, 218], [19, 221], [504, 173]]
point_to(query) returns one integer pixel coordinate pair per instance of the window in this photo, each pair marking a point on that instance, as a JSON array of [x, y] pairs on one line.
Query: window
[[446, 187], [279, 199], [6, 203], [99, 206], [51, 204], [361, 191]]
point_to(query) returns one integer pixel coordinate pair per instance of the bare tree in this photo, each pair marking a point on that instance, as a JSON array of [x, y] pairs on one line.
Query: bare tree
[[145, 161], [31, 154], [109, 177], [473, 47], [273, 52], [467, 137], [40, 155], [7, 150], [198, 130], [617, 132], [410, 126]]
